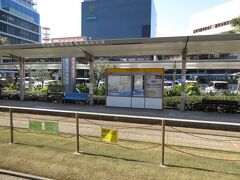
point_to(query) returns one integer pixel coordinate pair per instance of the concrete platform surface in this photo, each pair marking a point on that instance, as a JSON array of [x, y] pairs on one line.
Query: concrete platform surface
[[166, 113]]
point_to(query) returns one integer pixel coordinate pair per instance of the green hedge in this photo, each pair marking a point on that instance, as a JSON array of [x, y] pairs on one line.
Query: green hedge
[[100, 100], [30, 96], [10, 95], [41, 96], [192, 102]]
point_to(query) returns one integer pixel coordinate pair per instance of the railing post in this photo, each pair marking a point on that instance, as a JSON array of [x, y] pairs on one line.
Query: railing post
[[163, 142], [77, 132], [11, 126]]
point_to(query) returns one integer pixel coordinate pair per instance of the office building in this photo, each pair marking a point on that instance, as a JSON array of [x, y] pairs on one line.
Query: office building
[[116, 19], [215, 20], [19, 21]]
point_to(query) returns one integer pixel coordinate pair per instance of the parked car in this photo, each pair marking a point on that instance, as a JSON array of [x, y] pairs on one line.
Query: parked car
[[191, 82], [217, 87], [168, 84]]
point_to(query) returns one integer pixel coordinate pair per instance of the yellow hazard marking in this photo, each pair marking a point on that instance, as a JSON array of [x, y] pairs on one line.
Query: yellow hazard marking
[[109, 135]]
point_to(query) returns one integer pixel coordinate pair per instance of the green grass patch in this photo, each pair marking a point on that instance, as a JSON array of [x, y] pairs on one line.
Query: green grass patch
[[53, 156]]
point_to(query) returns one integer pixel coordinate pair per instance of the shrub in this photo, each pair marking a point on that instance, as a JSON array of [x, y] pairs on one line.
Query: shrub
[[172, 102], [35, 96], [11, 87], [44, 89], [234, 98], [192, 89], [100, 100], [10, 95], [192, 102], [83, 88], [176, 91], [100, 91]]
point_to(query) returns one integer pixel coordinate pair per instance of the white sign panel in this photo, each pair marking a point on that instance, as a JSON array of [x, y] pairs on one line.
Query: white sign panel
[[154, 85], [119, 86]]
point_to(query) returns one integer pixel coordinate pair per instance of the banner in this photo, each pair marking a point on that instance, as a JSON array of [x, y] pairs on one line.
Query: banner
[[47, 126], [51, 127], [109, 135], [35, 126]]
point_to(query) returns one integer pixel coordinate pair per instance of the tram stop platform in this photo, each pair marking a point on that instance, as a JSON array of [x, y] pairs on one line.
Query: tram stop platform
[[166, 113]]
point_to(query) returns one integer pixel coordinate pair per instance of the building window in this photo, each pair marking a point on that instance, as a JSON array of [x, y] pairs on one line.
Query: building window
[[225, 23]]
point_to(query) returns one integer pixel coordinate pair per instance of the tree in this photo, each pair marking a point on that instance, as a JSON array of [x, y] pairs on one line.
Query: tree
[[40, 72], [236, 24], [99, 69]]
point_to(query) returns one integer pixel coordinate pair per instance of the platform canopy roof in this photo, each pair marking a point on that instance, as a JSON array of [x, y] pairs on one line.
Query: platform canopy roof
[[208, 44]]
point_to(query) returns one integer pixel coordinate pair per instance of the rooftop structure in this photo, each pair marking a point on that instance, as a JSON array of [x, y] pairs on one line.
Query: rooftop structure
[[116, 19], [216, 19], [68, 39]]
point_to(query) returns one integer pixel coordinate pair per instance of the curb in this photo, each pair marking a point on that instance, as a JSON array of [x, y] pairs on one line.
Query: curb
[[22, 175], [128, 119]]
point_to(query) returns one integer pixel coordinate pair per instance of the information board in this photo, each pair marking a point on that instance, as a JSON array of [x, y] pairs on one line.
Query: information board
[[119, 86], [138, 86], [153, 85]]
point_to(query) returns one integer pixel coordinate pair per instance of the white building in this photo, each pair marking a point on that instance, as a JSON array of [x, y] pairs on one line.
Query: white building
[[215, 20]]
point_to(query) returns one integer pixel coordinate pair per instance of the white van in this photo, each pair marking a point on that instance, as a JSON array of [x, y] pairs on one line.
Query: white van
[[217, 87]]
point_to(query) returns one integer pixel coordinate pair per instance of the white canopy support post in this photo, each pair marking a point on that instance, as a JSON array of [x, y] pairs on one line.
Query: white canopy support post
[[91, 80], [22, 78], [183, 83], [238, 88], [174, 73]]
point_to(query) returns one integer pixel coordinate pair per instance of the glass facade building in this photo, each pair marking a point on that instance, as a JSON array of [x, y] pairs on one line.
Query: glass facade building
[[19, 21], [116, 19]]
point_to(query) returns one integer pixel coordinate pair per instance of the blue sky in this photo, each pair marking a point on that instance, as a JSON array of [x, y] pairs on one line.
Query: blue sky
[[173, 16]]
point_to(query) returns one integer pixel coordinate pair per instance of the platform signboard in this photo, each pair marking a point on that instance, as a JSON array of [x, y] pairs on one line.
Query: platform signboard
[[109, 135], [135, 87]]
